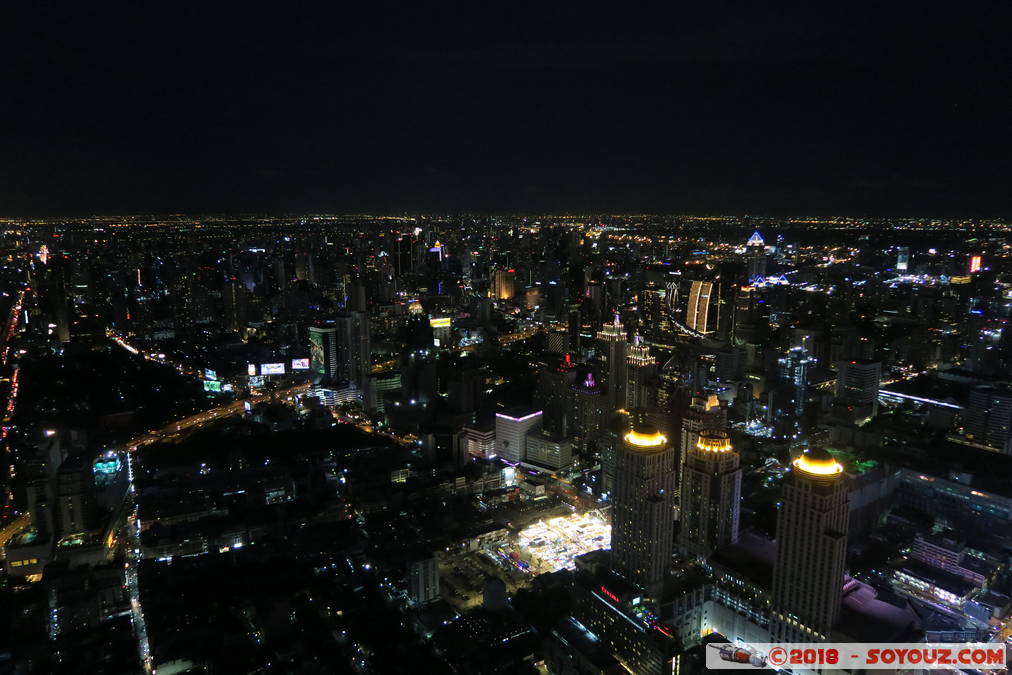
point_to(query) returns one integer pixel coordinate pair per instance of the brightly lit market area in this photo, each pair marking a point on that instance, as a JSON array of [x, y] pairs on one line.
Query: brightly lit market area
[[552, 544]]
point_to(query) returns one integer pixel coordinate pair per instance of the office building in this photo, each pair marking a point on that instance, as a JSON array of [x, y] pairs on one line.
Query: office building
[[857, 384], [704, 412], [697, 312], [353, 348], [588, 411], [612, 342], [478, 440], [755, 259], [641, 375], [323, 351], [546, 453], [903, 259], [504, 284], [811, 547], [643, 511], [988, 418], [511, 429], [552, 395], [423, 579], [710, 494]]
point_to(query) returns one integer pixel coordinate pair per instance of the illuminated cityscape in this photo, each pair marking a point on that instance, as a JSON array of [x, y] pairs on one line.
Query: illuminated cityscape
[[471, 347]]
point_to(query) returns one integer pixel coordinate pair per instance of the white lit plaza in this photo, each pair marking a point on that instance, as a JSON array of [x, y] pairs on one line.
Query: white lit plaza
[[554, 543]]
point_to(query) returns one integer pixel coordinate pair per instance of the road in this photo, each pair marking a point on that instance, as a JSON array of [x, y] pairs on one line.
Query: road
[[406, 440], [131, 527], [13, 528], [206, 417], [132, 549], [11, 327]]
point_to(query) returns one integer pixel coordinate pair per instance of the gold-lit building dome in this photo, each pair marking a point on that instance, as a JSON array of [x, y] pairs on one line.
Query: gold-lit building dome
[[714, 441], [645, 437], [818, 462]]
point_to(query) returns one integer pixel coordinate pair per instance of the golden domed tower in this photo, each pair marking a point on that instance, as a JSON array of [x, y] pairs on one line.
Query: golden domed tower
[[811, 547], [643, 510], [710, 494]]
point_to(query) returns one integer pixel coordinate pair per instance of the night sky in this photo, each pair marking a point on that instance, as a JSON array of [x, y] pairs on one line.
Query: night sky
[[898, 109]]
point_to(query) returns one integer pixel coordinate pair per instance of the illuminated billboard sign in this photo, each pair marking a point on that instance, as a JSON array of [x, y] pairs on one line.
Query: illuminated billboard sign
[[251, 369], [212, 385], [300, 364], [440, 322], [210, 374], [975, 262], [272, 369], [256, 381]]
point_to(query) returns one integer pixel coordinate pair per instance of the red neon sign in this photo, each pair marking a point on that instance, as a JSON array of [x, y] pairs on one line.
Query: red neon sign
[[610, 594]]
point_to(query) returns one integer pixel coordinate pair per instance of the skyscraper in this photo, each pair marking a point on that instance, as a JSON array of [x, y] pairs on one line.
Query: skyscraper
[[641, 371], [340, 354], [504, 284], [755, 258], [643, 513], [588, 411], [511, 429], [323, 351], [811, 547], [353, 348], [857, 384], [704, 412], [423, 579], [710, 494], [697, 312], [613, 345], [902, 258], [988, 418], [794, 366]]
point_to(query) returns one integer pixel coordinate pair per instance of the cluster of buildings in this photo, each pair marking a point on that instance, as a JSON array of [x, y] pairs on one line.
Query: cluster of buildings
[[590, 444]]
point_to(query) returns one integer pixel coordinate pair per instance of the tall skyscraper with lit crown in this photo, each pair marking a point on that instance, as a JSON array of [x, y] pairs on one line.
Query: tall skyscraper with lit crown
[[613, 345], [643, 511], [710, 494], [811, 548], [755, 258], [641, 371]]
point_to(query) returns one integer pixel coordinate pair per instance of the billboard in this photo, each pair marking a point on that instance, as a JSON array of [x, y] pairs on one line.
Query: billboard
[[210, 374], [212, 385], [272, 369], [316, 352], [256, 381], [251, 369], [300, 364]]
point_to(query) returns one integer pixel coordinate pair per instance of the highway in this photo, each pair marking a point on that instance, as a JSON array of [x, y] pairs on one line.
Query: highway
[[11, 327], [206, 417], [13, 528]]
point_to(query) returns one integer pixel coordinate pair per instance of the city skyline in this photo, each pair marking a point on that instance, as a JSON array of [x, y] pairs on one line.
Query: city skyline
[[340, 339]]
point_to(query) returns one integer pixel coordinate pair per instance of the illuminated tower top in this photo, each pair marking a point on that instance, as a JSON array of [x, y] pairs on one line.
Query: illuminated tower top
[[638, 354], [817, 463], [756, 240], [710, 494], [613, 331]]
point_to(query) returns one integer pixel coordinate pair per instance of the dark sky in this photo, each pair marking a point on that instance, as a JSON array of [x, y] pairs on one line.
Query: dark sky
[[898, 109]]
